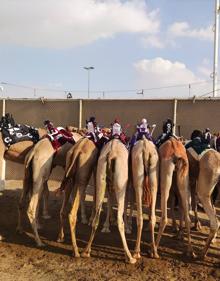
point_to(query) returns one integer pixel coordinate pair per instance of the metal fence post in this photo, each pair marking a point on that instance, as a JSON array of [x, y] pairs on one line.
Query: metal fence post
[[174, 115], [80, 114], [3, 164]]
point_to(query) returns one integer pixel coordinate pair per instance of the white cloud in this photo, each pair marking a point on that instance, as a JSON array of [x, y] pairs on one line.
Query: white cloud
[[158, 41], [68, 23], [153, 41], [205, 69], [183, 29], [159, 72]]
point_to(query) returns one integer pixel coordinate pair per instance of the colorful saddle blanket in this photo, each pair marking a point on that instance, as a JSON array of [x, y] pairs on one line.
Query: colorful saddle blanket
[[18, 133], [60, 137], [98, 139]]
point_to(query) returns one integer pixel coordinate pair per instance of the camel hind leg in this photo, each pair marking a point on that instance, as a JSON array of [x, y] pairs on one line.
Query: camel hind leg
[[45, 197], [153, 176], [139, 195], [166, 174], [41, 172], [21, 209], [67, 192], [73, 219], [183, 187], [206, 185], [194, 199], [33, 210], [100, 194], [120, 196]]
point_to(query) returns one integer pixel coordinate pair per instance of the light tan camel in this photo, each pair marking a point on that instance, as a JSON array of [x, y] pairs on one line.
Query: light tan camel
[[173, 157], [145, 169], [17, 153], [38, 166], [112, 173], [81, 162], [209, 174]]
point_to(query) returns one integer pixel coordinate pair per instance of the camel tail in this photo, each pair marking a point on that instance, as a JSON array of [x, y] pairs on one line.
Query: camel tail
[[180, 157], [182, 166], [28, 174], [110, 171], [70, 171], [147, 197]]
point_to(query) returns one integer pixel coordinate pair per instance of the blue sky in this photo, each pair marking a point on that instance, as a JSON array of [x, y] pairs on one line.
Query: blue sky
[[133, 45]]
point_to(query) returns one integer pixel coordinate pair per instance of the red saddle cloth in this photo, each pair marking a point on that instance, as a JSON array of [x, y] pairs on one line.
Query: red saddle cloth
[[59, 137]]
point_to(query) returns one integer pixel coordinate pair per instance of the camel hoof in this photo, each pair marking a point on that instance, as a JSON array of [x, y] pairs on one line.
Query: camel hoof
[[76, 255], [201, 256], [105, 230], [41, 245], [84, 221], [175, 229], [85, 255], [132, 260], [19, 230], [60, 240], [197, 227], [136, 256], [214, 240], [46, 217], [191, 254], [154, 255]]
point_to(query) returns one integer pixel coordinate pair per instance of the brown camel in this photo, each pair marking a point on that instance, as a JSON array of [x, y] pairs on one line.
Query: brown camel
[[145, 168], [38, 166], [209, 173], [112, 173], [193, 159], [173, 157], [81, 162]]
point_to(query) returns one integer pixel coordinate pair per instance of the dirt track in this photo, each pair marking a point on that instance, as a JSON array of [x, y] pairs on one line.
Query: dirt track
[[20, 259]]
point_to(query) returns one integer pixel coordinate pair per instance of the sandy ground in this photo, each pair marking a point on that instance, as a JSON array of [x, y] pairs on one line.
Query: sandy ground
[[21, 260]]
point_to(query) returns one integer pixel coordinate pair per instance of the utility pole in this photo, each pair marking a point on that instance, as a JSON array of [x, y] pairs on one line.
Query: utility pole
[[88, 68], [215, 63]]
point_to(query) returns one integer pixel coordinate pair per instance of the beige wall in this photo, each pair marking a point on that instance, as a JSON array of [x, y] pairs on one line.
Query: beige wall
[[190, 115], [34, 112], [198, 115], [128, 112]]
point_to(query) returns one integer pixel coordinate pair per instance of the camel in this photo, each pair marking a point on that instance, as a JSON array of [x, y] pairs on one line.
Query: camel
[[38, 166], [145, 169], [17, 153], [193, 177], [81, 162], [112, 173], [209, 173], [173, 156]]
